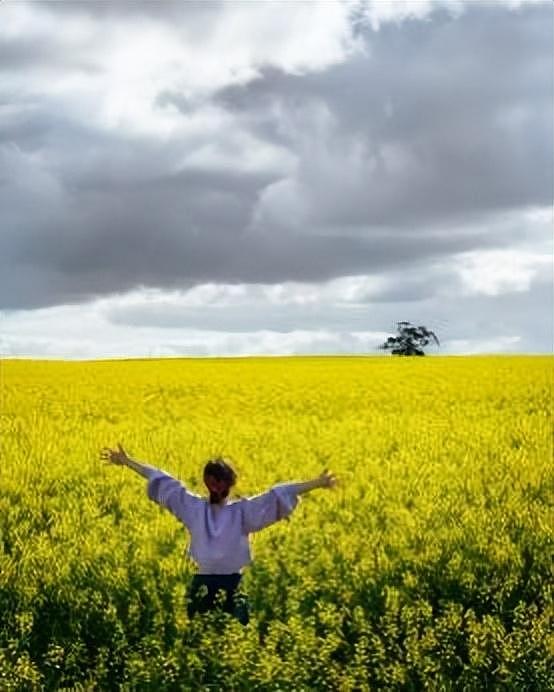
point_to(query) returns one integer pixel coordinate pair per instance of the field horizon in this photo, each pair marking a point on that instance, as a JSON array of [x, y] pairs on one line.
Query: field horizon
[[386, 356]]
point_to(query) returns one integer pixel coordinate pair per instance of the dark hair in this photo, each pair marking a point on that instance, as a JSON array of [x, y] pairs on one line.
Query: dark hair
[[221, 470]]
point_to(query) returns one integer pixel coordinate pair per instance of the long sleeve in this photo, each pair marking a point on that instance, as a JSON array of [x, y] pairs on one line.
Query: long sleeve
[[266, 509], [172, 494]]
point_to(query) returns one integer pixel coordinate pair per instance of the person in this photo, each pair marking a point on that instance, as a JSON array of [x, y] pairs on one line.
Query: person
[[219, 528]]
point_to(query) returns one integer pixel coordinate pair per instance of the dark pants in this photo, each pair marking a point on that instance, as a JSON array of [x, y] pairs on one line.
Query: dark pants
[[213, 591]]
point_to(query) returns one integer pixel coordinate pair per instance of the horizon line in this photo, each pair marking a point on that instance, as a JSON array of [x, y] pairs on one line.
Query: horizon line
[[4, 358]]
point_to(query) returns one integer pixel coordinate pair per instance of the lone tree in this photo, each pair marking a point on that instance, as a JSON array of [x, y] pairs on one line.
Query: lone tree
[[409, 341]]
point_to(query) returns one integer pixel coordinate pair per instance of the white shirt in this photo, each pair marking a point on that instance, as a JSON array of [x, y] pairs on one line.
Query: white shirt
[[219, 533]]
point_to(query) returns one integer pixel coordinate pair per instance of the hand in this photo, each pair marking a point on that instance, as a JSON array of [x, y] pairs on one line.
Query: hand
[[118, 457], [327, 479]]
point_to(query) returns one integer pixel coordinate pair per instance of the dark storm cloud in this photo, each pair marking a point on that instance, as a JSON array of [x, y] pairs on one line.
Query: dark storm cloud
[[453, 115], [99, 234], [442, 123], [95, 229]]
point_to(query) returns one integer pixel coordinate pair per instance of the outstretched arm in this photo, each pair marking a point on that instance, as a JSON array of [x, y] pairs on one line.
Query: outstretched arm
[[278, 503], [120, 457], [325, 480], [161, 487]]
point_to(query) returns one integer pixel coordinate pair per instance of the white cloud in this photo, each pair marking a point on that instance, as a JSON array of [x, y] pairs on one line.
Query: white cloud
[[500, 344], [238, 151], [176, 306], [378, 12], [120, 64], [83, 332], [492, 272]]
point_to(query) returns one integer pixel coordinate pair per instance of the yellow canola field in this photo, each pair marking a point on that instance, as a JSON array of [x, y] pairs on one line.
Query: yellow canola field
[[428, 567]]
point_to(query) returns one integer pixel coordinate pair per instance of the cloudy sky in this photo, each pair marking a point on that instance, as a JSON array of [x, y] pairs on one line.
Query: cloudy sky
[[249, 177]]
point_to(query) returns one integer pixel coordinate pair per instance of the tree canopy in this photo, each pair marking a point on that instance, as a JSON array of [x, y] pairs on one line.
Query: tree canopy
[[410, 340]]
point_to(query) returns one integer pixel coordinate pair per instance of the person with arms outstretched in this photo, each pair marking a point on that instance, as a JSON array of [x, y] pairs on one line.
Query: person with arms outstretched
[[219, 528]]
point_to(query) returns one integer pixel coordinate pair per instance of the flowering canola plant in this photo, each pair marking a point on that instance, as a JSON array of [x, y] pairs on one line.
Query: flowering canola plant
[[428, 566]]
